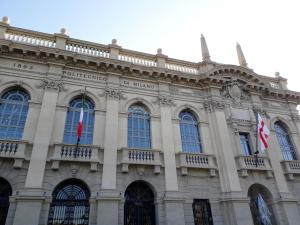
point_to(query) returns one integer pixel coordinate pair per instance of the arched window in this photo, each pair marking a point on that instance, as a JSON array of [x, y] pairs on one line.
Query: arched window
[[285, 142], [189, 132], [70, 135], [13, 114], [138, 127], [70, 204], [5, 192]]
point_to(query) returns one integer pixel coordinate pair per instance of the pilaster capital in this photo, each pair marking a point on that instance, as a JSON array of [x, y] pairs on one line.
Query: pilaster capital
[[113, 93], [52, 84], [164, 100], [214, 105]]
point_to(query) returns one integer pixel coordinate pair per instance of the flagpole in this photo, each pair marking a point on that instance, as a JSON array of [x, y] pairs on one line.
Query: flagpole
[[256, 147], [78, 138]]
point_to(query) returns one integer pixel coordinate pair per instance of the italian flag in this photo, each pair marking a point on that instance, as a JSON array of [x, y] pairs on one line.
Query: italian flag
[[80, 125], [263, 133]]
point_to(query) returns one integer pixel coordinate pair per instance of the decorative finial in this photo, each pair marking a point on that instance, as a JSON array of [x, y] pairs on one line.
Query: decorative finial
[[240, 54], [204, 48], [159, 51], [63, 31], [114, 41], [5, 20], [277, 74]]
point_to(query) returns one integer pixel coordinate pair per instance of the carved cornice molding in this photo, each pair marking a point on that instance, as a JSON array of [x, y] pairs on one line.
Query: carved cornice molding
[[214, 105], [113, 93], [164, 100], [52, 84]]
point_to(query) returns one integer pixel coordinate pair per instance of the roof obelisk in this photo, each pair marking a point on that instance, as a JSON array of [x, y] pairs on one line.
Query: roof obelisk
[[204, 48], [241, 57]]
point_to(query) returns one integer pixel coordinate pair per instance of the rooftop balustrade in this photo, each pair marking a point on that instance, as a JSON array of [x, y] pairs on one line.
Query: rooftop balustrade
[[250, 163], [187, 160], [13, 149], [83, 153]]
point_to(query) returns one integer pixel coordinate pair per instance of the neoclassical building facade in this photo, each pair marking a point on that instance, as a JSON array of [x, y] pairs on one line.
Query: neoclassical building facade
[[164, 141]]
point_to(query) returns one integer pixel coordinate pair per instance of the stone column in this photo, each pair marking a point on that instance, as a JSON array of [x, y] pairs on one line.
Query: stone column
[[234, 203], [30, 199], [30, 125], [177, 135], [173, 199], [108, 201]]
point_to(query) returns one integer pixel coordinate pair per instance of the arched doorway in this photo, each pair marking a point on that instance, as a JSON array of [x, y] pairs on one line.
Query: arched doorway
[[70, 204], [5, 192], [139, 208], [261, 205]]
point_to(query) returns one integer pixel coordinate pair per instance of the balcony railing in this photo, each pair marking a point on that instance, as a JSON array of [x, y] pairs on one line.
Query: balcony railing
[[13, 149], [246, 163], [84, 153], [291, 167], [196, 160], [141, 157]]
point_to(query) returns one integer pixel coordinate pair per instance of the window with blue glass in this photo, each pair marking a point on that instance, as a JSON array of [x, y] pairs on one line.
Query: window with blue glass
[[13, 114], [139, 127], [73, 114], [285, 142], [244, 142], [189, 131]]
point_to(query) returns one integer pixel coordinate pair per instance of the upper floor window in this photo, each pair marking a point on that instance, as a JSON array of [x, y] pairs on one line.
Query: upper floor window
[[13, 114], [189, 132], [244, 141], [70, 135], [285, 142], [138, 127]]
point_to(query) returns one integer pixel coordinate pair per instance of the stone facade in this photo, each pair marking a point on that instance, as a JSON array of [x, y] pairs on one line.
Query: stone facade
[[54, 69]]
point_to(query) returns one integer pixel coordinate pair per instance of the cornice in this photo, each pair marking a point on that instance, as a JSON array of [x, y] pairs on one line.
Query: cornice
[[255, 82]]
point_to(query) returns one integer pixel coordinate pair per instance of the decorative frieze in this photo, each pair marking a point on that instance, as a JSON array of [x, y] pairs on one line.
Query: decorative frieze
[[213, 105], [52, 84], [235, 90]]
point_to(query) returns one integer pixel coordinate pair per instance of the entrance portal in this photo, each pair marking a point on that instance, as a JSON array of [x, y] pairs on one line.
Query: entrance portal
[[139, 206]]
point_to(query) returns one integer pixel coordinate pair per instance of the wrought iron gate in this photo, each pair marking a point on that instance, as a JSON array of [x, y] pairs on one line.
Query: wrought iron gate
[[5, 192], [139, 208], [70, 205], [202, 212]]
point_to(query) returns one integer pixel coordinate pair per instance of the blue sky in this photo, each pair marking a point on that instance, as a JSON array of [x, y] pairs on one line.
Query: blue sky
[[267, 30]]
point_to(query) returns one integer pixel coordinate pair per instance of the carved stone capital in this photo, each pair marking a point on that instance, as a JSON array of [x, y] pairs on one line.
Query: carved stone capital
[[260, 110], [113, 93], [52, 84], [214, 105], [295, 117], [164, 100]]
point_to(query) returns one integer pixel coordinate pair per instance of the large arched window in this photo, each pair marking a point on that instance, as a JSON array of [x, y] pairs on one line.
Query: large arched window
[[13, 114], [138, 127], [70, 135], [5, 192], [285, 142], [70, 204], [189, 132]]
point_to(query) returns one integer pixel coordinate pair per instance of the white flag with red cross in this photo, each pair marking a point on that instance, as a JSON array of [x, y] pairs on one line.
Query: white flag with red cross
[[263, 133]]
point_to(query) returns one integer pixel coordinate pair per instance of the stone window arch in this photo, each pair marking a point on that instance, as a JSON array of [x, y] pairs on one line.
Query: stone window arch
[[139, 132], [189, 131], [73, 114], [13, 113], [285, 142]]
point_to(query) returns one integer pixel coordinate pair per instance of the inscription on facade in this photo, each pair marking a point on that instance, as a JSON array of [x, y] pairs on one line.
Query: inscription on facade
[[138, 84], [22, 66], [83, 75]]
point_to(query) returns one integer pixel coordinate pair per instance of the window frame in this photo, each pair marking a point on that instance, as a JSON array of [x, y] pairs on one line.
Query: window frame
[[248, 138]]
